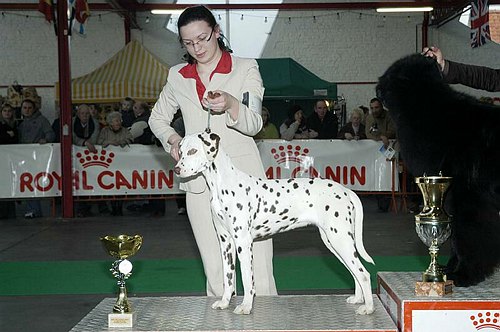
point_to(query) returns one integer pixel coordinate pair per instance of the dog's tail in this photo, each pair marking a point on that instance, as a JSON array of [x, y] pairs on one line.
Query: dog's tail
[[358, 227]]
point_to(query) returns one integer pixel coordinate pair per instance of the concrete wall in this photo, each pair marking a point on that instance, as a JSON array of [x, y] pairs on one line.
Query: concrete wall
[[340, 49]]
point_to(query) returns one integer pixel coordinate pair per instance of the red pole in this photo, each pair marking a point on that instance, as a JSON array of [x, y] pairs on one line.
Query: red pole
[[126, 23], [65, 107], [425, 30]]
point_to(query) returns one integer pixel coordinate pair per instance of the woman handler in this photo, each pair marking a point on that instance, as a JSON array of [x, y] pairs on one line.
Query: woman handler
[[236, 104]]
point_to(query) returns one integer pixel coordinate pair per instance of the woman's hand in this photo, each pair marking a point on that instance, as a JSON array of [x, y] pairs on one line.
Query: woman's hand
[[348, 136], [174, 141], [219, 102]]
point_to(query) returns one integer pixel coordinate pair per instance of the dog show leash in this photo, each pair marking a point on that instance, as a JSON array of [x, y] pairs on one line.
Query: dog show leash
[[211, 95]]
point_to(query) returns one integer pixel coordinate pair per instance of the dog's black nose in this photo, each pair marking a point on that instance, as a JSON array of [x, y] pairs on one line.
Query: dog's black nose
[[177, 170]]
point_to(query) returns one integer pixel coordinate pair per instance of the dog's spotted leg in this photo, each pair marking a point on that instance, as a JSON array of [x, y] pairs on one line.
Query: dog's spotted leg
[[245, 255], [347, 255], [228, 251]]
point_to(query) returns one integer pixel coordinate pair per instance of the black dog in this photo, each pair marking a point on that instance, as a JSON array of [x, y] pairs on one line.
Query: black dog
[[440, 129]]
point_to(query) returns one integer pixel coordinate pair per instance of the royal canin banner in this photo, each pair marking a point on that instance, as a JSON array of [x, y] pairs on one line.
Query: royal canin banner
[[358, 165], [33, 170]]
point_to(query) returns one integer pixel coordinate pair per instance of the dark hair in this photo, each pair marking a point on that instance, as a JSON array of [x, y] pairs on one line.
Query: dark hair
[[31, 101], [374, 100], [291, 114], [199, 13]]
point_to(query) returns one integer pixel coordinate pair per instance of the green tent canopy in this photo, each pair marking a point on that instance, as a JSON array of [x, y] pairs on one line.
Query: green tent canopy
[[284, 78]]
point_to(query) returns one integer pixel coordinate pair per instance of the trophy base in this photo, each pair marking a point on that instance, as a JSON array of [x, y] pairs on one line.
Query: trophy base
[[433, 289], [122, 320]]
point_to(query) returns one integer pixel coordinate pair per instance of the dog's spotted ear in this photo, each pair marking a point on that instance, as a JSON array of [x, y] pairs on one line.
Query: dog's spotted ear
[[210, 144]]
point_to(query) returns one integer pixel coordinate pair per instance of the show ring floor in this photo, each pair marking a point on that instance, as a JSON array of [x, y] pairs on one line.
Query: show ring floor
[[270, 313]]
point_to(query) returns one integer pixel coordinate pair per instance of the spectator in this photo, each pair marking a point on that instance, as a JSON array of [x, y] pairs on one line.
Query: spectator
[[115, 134], [85, 128], [268, 130], [366, 111], [142, 134], [325, 123], [85, 132], [295, 126], [127, 111], [139, 128], [35, 128], [8, 126], [476, 77], [8, 135], [379, 126], [354, 129]]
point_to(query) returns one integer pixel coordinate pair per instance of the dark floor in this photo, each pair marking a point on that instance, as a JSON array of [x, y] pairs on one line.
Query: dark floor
[[43, 239]]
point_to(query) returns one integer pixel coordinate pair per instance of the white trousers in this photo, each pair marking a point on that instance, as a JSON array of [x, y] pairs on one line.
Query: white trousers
[[200, 217]]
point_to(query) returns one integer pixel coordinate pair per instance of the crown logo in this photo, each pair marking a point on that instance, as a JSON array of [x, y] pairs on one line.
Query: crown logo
[[102, 158], [288, 153], [486, 320]]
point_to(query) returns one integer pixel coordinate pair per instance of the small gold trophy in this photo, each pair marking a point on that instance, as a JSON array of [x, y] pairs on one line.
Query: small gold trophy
[[121, 247], [433, 226]]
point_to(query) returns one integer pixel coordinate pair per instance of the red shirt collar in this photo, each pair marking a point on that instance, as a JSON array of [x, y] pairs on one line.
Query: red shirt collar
[[223, 67]]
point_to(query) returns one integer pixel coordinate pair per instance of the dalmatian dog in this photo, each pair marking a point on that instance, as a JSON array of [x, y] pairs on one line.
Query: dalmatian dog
[[246, 208]]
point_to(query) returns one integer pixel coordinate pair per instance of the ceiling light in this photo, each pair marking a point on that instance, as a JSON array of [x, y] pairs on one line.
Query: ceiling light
[[167, 11], [404, 9]]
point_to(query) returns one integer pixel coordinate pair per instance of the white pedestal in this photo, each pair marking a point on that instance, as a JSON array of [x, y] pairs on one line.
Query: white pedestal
[[122, 320], [467, 309]]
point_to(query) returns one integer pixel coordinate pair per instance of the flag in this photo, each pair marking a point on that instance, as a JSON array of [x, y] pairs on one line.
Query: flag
[[82, 11], [479, 23], [45, 7]]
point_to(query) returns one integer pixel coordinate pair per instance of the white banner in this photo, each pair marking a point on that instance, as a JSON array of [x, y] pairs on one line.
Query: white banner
[[358, 165], [455, 320], [33, 170]]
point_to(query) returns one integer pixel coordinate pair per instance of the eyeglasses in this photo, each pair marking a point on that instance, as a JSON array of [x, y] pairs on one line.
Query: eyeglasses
[[200, 42]]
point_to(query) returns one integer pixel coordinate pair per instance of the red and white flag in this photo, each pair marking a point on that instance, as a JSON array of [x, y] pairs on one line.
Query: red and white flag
[[479, 23], [46, 8]]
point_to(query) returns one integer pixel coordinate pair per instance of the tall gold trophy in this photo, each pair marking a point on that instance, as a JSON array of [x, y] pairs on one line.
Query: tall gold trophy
[[122, 247], [433, 226]]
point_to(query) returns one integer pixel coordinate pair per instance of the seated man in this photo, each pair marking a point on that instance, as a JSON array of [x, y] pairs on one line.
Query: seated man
[[323, 122]]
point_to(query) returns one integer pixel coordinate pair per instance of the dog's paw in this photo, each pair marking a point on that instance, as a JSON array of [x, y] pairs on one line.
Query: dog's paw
[[353, 299], [365, 310], [222, 304], [243, 309]]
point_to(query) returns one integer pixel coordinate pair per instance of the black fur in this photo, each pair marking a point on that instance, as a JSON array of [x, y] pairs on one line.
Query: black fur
[[440, 129]]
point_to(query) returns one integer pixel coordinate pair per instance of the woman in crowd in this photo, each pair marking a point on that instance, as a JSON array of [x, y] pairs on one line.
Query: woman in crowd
[[35, 129], [295, 126], [115, 134], [8, 135], [8, 126], [268, 130], [236, 107], [354, 129]]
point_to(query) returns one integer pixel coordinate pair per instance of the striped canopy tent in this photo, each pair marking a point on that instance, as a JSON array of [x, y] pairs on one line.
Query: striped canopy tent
[[132, 72]]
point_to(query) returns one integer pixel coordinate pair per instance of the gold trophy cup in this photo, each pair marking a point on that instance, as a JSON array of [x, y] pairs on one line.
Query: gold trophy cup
[[433, 226], [121, 247]]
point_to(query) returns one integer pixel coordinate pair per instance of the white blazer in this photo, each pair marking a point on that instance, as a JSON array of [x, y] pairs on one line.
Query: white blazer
[[236, 136]]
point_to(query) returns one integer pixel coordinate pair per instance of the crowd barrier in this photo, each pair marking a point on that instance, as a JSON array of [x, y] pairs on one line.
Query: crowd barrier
[[33, 170]]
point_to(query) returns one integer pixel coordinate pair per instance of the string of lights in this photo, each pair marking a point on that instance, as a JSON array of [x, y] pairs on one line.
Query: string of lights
[[339, 15]]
